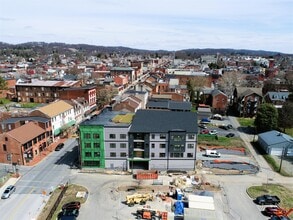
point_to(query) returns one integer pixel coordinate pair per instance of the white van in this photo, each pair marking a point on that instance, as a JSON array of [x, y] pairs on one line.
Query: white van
[[212, 153]]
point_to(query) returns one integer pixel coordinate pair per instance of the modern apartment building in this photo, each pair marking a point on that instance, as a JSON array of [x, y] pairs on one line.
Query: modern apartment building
[[104, 140], [163, 140], [152, 139]]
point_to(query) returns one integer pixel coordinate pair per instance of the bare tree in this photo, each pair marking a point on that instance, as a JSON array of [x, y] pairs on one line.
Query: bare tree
[[229, 81]]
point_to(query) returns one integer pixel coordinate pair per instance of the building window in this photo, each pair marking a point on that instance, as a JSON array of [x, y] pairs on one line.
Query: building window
[[190, 155], [88, 154], [191, 136], [87, 135], [112, 154], [96, 135], [96, 145], [122, 136], [91, 163], [177, 155], [177, 137], [112, 136], [153, 136], [177, 147], [153, 145], [87, 145], [152, 154], [162, 136], [97, 154], [162, 145], [112, 145], [4, 147], [162, 154], [6, 138], [190, 146], [122, 145], [123, 154]]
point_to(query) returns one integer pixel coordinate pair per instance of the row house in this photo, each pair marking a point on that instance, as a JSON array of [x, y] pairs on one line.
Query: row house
[[60, 113], [23, 144], [127, 71], [216, 99], [276, 98], [246, 100], [88, 93], [128, 104], [150, 139], [41, 91]]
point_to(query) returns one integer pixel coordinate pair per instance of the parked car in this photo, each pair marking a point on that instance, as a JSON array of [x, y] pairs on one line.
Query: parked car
[[217, 117], [8, 191], [205, 121], [205, 131], [202, 126], [279, 218], [226, 127], [274, 210], [71, 205], [68, 212], [59, 147], [212, 153], [230, 135], [267, 200], [213, 132]]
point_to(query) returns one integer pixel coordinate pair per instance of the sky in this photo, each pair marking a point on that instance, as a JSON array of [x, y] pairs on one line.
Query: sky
[[151, 24]]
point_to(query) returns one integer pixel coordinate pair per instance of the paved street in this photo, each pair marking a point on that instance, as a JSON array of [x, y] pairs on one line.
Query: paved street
[[104, 200]]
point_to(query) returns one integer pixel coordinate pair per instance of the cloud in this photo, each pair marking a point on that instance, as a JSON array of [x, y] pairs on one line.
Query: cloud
[[152, 24]]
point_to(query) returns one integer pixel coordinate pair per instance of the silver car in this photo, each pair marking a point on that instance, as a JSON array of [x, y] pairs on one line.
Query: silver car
[[8, 191]]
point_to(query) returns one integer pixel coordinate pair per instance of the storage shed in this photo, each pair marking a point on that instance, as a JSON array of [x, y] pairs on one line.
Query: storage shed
[[276, 143]]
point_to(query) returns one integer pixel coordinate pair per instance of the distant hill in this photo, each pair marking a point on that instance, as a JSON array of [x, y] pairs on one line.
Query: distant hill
[[46, 48]]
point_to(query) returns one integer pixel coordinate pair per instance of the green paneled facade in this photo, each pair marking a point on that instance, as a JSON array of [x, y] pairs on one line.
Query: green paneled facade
[[92, 148]]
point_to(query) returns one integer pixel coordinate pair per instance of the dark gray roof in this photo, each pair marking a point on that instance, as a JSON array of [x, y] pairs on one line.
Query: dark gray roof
[[105, 119], [30, 118], [282, 96], [275, 137], [169, 104], [146, 121]]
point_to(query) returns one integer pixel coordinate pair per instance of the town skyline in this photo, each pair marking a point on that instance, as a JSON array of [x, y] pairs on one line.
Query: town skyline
[[151, 25]]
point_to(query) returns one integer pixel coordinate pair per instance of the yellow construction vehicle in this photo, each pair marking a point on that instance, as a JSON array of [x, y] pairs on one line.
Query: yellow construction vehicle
[[138, 198]]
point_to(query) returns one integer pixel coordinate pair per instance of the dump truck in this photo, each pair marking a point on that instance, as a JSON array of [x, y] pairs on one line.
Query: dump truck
[[138, 198], [151, 214]]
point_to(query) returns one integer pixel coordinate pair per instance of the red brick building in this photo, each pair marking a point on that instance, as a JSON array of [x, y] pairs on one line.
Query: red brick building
[[22, 144]]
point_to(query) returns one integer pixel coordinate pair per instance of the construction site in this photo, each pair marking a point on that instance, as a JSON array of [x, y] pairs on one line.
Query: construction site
[[168, 196]]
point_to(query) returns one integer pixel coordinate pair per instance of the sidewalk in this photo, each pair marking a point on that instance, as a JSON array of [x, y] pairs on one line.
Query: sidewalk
[[45, 153]]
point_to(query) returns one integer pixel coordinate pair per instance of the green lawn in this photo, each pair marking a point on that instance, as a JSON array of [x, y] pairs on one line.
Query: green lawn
[[245, 122], [285, 194], [221, 141], [4, 101]]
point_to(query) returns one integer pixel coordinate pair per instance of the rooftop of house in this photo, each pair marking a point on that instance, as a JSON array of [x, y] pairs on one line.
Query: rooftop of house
[[275, 137], [45, 83], [26, 132], [169, 104], [278, 95], [55, 108], [121, 69], [160, 121], [29, 118]]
